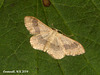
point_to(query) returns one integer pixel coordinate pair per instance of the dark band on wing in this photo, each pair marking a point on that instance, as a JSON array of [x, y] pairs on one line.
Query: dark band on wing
[[55, 47], [35, 25], [72, 46], [41, 40]]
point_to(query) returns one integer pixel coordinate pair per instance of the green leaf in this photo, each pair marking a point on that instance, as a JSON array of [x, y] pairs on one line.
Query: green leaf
[[1, 3], [80, 18]]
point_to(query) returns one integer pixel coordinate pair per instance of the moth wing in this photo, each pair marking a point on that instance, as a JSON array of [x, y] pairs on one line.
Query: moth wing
[[71, 47], [55, 48], [39, 41], [35, 26]]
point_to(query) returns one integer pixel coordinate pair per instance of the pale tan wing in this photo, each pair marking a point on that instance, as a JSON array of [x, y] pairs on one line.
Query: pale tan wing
[[35, 26], [71, 46], [39, 41], [55, 48]]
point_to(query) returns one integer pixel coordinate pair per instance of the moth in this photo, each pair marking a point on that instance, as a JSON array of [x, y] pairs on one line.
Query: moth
[[48, 40]]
